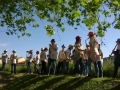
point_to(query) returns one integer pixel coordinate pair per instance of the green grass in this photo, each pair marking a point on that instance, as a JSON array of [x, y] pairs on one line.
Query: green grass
[[21, 81], [37, 82]]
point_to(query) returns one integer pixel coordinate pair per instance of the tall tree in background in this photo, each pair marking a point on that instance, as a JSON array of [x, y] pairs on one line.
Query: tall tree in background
[[16, 14]]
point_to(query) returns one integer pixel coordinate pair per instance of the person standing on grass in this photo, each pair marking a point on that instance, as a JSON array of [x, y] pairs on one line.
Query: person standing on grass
[[13, 59], [61, 60], [79, 56], [68, 58], [4, 60], [93, 44], [99, 62], [117, 58], [43, 58], [37, 60], [53, 56], [30, 59]]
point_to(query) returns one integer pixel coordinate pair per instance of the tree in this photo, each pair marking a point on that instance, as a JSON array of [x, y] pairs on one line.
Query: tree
[[16, 14]]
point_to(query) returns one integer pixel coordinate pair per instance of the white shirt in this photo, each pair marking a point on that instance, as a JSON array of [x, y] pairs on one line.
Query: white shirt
[[13, 57], [37, 59], [118, 47], [30, 58], [68, 53], [4, 57], [53, 53], [43, 56]]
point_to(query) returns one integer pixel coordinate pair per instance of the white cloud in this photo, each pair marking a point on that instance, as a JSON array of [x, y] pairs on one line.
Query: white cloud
[[4, 44]]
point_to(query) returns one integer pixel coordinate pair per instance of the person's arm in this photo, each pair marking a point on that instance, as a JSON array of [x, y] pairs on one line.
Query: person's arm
[[78, 48]]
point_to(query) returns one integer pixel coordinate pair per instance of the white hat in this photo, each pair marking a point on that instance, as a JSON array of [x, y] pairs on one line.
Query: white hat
[[42, 49]]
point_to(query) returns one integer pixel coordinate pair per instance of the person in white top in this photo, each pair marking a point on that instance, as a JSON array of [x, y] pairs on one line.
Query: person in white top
[[61, 59], [36, 62], [43, 58], [30, 59], [68, 58], [117, 58], [79, 53], [13, 59], [99, 62], [53, 56], [4, 60], [94, 54]]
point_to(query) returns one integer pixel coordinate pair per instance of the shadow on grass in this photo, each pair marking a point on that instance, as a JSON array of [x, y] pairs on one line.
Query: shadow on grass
[[50, 83], [6, 75], [116, 85], [24, 81]]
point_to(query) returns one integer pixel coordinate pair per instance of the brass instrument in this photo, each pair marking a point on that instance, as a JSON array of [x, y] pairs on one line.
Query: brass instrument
[[112, 51]]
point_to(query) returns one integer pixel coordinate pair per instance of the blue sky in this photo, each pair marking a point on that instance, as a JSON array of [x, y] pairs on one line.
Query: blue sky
[[40, 39]]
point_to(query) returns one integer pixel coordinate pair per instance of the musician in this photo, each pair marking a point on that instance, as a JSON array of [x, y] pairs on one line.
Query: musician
[[100, 61], [79, 56], [30, 59], [36, 62], [93, 44], [4, 60], [43, 58], [61, 60], [68, 58], [117, 58], [53, 55], [13, 59]]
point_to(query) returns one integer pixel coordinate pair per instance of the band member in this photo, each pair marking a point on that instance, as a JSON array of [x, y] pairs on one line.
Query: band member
[[93, 44], [68, 58], [79, 56], [30, 59], [117, 58], [85, 61], [43, 58], [61, 58], [4, 60], [13, 59], [99, 62], [53, 56], [36, 62]]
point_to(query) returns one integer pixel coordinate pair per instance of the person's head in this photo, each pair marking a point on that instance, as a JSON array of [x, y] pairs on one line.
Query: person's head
[[5, 51], [53, 41], [14, 51], [37, 52], [70, 47], [78, 39], [42, 49], [31, 51], [118, 41], [90, 34], [63, 47], [45, 49]]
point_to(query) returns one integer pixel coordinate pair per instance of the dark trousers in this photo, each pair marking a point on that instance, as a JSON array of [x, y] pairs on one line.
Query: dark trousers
[[29, 70], [116, 65], [43, 69], [36, 69], [60, 66], [78, 67], [100, 68], [3, 66], [13, 68], [50, 61]]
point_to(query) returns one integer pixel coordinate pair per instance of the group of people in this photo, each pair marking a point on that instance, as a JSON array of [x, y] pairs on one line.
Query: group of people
[[82, 58]]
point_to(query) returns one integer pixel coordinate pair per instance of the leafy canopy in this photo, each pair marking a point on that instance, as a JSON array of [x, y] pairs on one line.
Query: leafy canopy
[[16, 14]]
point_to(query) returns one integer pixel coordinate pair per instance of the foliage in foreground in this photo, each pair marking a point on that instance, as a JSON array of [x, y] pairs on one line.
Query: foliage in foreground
[[17, 14]]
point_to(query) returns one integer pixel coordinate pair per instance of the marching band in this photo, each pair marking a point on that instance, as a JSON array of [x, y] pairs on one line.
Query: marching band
[[82, 58]]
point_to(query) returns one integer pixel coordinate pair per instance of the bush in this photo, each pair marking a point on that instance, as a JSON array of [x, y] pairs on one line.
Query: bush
[[108, 67]]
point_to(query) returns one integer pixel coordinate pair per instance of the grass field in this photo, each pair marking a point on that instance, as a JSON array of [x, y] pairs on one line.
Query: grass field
[[37, 82], [22, 81]]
